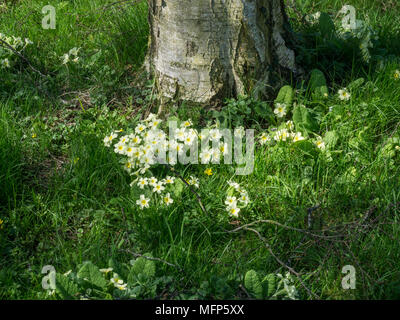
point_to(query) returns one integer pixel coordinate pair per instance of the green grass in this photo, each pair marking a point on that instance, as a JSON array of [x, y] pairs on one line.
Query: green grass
[[65, 198]]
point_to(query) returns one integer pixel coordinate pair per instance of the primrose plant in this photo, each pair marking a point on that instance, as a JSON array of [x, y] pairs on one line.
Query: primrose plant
[[7, 55], [148, 146]]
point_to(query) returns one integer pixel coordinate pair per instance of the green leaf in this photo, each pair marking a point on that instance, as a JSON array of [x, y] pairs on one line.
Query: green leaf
[[142, 267], [304, 120], [66, 287], [285, 95], [90, 273], [253, 284], [269, 285]]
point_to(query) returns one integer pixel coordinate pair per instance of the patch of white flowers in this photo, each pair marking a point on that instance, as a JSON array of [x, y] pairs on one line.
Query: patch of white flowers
[[284, 133], [237, 199], [6, 54], [147, 144], [71, 56]]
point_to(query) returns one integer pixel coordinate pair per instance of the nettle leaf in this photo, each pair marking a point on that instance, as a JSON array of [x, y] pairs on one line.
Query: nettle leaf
[[91, 274], [304, 120], [66, 287], [285, 95], [253, 284], [317, 84]]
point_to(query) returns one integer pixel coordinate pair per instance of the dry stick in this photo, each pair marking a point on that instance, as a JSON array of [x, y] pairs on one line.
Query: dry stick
[[189, 186], [281, 262], [22, 57], [245, 291], [285, 227], [139, 255]]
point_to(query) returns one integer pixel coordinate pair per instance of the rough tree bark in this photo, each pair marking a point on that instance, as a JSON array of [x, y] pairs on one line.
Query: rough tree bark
[[205, 50]]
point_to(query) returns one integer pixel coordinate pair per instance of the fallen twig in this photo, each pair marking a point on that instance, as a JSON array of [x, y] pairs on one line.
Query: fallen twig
[[283, 226], [291, 270], [5, 44]]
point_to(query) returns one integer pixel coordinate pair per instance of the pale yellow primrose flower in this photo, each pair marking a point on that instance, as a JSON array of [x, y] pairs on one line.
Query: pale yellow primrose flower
[[143, 202]]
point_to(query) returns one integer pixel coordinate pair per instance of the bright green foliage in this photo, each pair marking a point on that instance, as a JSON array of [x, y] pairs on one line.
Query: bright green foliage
[[142, 266], [272, 286], [253, 284], [91, 274], [285, 95], [331, 139], [304, 119], [244, 111], [66, 287], [136, 280], [269, 285]]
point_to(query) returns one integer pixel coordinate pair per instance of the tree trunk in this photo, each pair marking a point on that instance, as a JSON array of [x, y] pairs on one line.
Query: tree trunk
[[206, 50]]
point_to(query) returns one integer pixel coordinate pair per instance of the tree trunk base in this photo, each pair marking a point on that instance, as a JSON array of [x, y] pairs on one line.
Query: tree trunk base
[[204, 51]]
